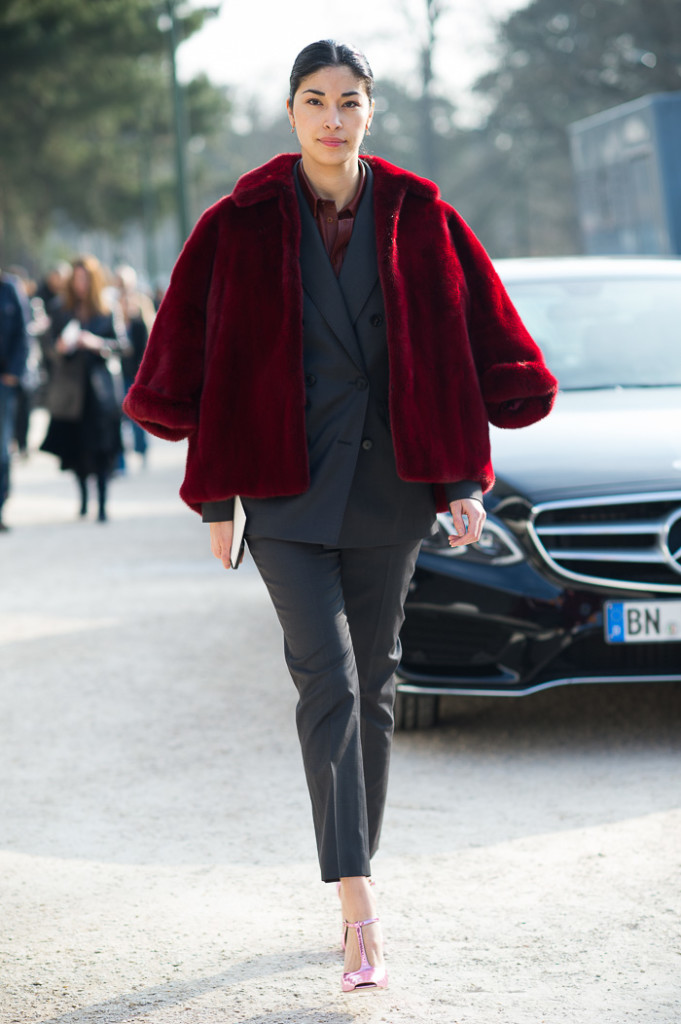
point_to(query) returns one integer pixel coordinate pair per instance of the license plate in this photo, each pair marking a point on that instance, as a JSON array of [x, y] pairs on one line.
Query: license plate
[[639, 622]]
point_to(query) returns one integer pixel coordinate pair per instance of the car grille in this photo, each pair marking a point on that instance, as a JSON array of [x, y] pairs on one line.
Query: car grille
[[428, 638], [591, 655], [632, 542]]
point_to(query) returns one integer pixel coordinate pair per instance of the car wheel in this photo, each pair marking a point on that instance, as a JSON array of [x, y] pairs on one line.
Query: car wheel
[[416, 711]]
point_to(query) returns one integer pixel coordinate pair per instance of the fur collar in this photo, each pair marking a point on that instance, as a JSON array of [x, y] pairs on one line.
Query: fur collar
[[276, 176]]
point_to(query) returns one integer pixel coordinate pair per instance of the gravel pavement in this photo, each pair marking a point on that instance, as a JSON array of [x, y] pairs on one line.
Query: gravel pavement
[[157, 858]]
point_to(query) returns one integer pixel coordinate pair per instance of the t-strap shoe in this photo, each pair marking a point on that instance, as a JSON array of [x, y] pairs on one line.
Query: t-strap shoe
[[365, 976]]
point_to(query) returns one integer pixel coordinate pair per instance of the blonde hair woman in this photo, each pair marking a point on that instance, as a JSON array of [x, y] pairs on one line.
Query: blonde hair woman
[[84, 431]]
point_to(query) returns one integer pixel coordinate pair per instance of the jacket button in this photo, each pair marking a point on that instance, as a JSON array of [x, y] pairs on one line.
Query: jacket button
[[367, 444], [310, 379], [376, 320], [361, 384]]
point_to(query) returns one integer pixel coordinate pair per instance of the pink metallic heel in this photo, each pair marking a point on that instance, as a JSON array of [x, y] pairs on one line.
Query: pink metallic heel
[[365, 976]]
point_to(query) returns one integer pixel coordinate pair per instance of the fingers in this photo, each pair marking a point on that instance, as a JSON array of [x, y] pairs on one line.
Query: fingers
[[469, 529], [221, 541]]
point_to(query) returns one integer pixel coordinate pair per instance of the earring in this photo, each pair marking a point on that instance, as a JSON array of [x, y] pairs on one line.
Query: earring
[[367, 130], [293, 129]]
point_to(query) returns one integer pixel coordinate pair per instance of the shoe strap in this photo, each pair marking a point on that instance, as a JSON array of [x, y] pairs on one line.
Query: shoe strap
[[358, 925]]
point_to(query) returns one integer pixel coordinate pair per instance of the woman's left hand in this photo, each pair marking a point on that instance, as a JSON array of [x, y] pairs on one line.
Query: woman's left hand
[[476, 515], [221, 541]]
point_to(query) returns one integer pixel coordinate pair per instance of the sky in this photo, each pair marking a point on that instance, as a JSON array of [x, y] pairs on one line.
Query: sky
[[251, 45]]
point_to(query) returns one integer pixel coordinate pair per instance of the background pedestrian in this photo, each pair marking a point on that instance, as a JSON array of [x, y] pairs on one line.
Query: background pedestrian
[[13, 354], [84, 430], [138, 312]]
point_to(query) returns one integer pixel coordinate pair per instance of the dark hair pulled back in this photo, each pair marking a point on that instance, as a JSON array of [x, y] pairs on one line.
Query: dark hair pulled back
[[328, 53]]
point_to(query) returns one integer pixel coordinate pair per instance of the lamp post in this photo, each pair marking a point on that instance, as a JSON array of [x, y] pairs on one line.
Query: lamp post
[[180, 134], [148, 218]]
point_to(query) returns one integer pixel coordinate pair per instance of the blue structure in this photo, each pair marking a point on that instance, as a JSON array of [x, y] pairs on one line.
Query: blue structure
[[627, 163]]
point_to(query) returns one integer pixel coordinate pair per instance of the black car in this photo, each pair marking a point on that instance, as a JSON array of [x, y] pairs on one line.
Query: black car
[[577, 576]]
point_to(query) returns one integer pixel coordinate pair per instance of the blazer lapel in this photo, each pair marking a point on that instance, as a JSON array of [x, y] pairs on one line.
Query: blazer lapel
[[321, 284], [360, 267]]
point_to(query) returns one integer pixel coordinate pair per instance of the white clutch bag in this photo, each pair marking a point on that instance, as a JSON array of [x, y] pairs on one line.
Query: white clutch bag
[[236, 552]]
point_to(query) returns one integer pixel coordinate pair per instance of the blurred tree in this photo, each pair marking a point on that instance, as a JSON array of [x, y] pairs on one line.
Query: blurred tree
[[86, 113], [423, 22], [560, 60], [398, 134], [251, 138]]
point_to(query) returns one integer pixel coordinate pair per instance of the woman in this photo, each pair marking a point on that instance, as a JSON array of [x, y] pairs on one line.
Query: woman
[[333, 342], [138, 314], [84, 430]]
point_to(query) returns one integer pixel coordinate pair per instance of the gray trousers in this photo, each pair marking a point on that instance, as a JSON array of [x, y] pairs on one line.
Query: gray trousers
[[341, 610]]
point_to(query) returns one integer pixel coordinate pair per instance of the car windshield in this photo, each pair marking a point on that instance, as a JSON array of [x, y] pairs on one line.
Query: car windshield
[[605, 333]]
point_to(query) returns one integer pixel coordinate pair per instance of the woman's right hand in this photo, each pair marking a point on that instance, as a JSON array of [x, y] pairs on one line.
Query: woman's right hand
[[221, 541]]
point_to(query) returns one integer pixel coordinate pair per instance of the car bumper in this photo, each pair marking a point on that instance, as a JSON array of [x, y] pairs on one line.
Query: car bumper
[[511, 631]]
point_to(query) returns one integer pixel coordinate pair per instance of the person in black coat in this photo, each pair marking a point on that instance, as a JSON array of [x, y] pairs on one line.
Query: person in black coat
[[13, 352], [85, 425]]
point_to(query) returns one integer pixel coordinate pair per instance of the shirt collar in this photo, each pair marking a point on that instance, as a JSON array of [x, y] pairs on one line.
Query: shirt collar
[[313, 199]]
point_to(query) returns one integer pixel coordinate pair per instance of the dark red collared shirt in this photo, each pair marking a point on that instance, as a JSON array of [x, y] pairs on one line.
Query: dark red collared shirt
[[334, 227]]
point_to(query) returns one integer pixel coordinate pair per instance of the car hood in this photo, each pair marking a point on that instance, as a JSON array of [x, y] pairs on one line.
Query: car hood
[[606, 441]]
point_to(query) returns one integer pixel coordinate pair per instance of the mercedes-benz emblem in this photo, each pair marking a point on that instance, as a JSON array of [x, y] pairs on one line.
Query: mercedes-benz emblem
[[671, 540]]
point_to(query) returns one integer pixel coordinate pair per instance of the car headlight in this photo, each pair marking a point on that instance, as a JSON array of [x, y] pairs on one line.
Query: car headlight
[[496, 546]]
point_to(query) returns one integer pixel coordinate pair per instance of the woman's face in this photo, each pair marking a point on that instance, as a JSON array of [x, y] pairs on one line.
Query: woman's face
[[81, 282], [331, 113]]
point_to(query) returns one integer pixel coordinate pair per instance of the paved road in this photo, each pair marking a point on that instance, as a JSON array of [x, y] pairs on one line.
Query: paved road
[[156, 850]]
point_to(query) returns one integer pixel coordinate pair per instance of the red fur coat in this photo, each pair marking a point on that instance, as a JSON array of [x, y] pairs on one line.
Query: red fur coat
[[224, 363]]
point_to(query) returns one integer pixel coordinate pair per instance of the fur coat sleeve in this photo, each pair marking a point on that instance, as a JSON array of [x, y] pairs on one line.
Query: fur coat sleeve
[[515, 384], [165, 398]]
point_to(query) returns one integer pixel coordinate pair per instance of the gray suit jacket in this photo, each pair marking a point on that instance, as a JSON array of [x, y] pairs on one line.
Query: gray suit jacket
[[355, 498]]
